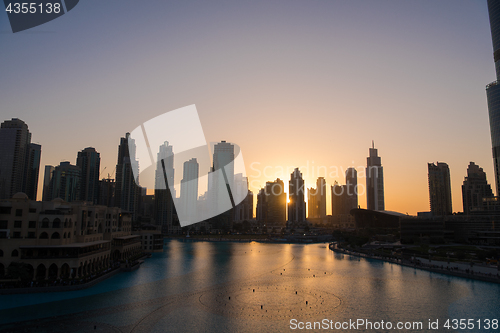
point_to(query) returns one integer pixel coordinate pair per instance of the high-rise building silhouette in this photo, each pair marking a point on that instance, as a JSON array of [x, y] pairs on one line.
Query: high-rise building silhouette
[[89, 162], [222, 173], [127, 192], [439, 188], [30, 185], [374, 181], [312, 203], [189, 189], [271, 204], [493, 90], [65, 182], [296, 204], [20, 160], [316, 199], [223, 158], [337, 193], [321, 196], [107, 192], [351, 188], [164, 204], [345, 197], [47, 177], [244, 210], [475, 188]]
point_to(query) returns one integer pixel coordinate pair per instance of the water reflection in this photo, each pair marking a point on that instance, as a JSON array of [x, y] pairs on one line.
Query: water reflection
[[226, 286]]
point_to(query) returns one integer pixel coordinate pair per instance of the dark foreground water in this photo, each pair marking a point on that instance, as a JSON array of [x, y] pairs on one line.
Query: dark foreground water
[[255, 287]]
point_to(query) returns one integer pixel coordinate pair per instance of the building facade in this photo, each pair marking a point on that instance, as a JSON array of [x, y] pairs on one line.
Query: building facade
[[30, 185], [60, 240], [439, 188], [127, 189], [151, 238], [475, 188], [312, 203], [20, 160], [65, 182], [47, 178], [164, 198], [345, 197], [374, 181], [271, 204], [493, 90], [189, 190], [296, 193], [89, 161]]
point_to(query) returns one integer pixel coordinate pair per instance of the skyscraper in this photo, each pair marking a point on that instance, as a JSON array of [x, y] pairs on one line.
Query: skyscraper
[[89, 162], [374, 181], [164, 204], [47, 177], [312, 203], [493, 90], [244, 210], [345, 197], [475, 188], [321, 196], [127, 192], [20, 160], [65, 182], [337, 199], [439, 188], [107, 192], [30, 185], [223, 158], [296, 204], [351, 188], [189, 190], [222, 173], [271, 204], [316, 199]]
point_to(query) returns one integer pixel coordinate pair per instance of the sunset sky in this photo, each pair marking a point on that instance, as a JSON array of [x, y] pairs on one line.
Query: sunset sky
[[293, 83]]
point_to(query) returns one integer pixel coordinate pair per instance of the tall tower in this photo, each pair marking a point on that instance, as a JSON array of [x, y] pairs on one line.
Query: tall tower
[[321, 196], [164, 204], [316, 199], [271, 204], [222, 160], [337, 199], [297, 204], [223, 156], [439, 188], [374, 181], [312, 202], [89, 162], [30, 186], [351, 189], [475, 188], [493, 90], [19, 160], [189, 189], [47, 178], [65, 182], [244, 210], [127, 192]]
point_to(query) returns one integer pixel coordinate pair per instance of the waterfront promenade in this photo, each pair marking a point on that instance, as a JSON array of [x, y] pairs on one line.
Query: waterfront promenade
[[460, 269]]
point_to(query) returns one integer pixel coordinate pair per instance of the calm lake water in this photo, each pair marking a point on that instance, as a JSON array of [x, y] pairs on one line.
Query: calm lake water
[[249, 287]]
